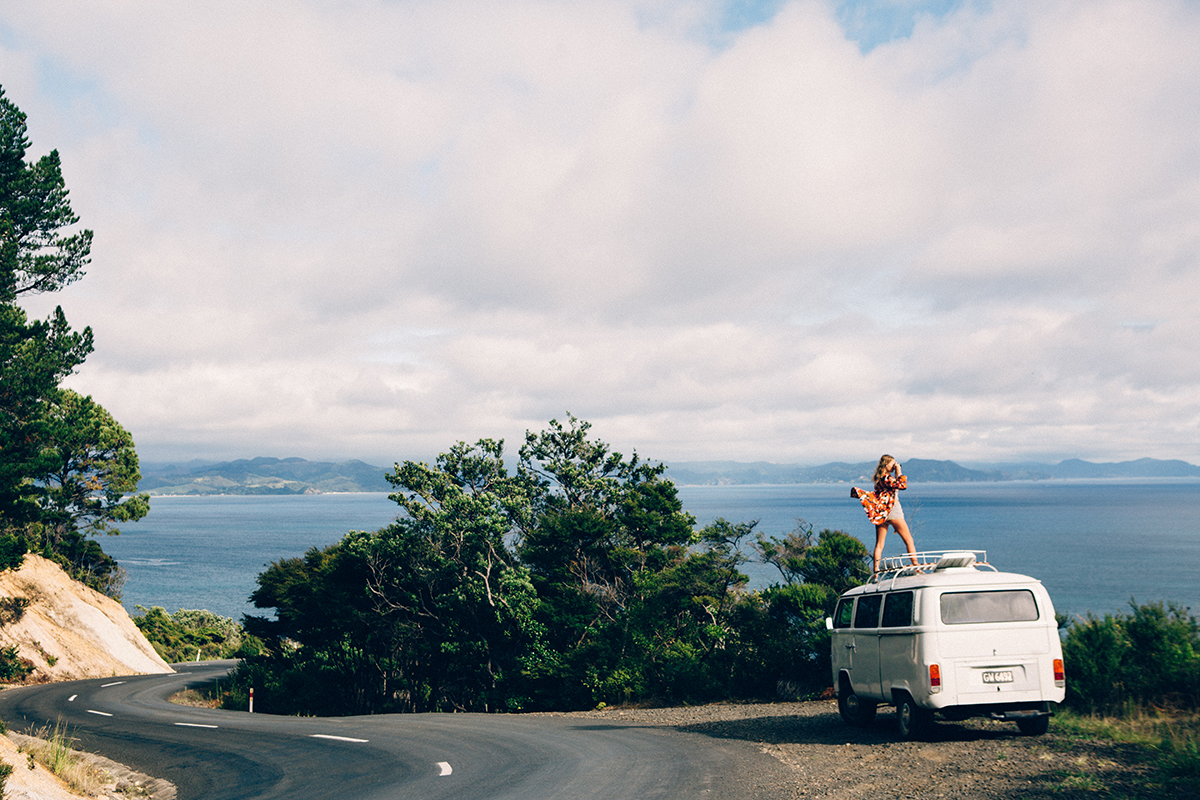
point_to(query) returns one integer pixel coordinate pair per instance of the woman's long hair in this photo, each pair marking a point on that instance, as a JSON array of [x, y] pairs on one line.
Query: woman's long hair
[[885, 464]]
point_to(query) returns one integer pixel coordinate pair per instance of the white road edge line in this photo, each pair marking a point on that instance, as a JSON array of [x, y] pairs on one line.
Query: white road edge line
[[194, 725], [71, 699], [445, 767], [115, 683], [99, 713], [337, 738]]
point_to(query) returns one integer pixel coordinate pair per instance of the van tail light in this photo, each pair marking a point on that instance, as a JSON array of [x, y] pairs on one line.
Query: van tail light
[[1060, 677], [935, 679]]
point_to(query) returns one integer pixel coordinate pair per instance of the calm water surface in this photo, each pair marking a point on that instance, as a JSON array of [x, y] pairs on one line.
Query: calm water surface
[[1095, 544]]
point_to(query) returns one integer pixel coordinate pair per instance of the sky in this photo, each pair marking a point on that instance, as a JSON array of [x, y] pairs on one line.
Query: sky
[[789, 230]]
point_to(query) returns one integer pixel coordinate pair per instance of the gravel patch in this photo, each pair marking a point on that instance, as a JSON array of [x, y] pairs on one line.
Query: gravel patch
[[825, 758]]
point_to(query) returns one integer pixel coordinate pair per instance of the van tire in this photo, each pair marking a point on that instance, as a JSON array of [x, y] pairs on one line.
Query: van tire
[[854, 710], [912, 722], [1034, 726]]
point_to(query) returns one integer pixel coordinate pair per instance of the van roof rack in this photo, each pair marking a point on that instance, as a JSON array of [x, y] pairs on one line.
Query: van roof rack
[[929, 561]]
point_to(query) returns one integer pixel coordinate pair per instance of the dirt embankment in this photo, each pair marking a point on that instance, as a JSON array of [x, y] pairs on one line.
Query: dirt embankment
[[68, 631], [65, 631]]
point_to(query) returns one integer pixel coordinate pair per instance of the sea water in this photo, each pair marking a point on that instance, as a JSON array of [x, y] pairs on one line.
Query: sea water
[[1096, 545]]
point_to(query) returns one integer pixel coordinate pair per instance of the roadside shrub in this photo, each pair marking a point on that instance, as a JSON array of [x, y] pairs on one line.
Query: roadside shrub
[[13, 668], [1150, 656], [187, 633]]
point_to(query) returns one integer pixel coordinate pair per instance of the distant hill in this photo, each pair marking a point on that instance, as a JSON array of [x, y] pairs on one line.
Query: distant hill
[[298, 476], [715, 473], [262, 476]]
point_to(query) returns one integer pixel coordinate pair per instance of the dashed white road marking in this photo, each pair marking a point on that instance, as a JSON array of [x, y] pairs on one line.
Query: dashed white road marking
[[71, 699], [445, 768], [99, 713], [114, 683], [193, 725], [337, 738]]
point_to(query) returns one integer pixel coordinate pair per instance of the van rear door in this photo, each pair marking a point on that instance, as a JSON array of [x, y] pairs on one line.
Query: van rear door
[[998, 639]]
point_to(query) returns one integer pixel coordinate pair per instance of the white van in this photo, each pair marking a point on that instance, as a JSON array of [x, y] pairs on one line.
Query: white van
[[950, 635]]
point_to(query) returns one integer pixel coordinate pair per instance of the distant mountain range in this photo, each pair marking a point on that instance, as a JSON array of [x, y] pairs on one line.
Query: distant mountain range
[[262, 476], [711, 473], [298, 476]]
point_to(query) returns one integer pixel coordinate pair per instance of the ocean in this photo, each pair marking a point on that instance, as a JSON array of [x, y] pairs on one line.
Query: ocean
[[1096, 545]]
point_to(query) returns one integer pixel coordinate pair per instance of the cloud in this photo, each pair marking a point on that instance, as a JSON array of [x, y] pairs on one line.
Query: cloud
[[714, 230]]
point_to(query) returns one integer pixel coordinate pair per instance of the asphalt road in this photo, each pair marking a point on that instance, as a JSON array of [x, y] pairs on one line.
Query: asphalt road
[[220, 755]]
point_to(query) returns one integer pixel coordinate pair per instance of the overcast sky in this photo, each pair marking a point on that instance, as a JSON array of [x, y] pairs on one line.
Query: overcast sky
[[785, 231]]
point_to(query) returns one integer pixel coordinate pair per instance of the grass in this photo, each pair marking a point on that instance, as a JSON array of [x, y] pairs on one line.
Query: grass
[[1168, 739], [208, 695], [52, 749]]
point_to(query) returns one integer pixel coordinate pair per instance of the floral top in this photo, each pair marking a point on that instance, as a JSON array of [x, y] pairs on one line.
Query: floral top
[[878, 504]]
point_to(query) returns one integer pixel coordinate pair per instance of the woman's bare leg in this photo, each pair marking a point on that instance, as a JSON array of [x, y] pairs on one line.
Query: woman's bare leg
[[880, 535], [902, 528]]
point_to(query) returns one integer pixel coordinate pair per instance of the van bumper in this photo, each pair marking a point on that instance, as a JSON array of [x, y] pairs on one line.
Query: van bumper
[[1011, 711]]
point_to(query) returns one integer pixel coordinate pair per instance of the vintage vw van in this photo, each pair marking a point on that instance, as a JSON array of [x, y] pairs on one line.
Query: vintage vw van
[[949, 635]]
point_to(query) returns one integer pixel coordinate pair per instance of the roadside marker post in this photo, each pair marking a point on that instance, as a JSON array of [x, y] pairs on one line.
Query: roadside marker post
[[251, 699]]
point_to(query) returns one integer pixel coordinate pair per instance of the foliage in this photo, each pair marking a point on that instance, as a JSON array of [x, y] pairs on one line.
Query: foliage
[[185, 634], [12, 609], [13, 668], [1148, 656], [91, 467], [35, 256], [430, 613], [64, 461], [34, 357], [576, 580]]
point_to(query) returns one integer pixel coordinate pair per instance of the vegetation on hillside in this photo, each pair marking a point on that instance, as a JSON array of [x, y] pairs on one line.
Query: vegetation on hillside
[[577, 579], [1135, 678], [189, 635], [65, 463]]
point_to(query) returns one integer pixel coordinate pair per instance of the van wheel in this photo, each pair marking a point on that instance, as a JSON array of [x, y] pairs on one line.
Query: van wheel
[[1034, 726], [912, 722], [854, 710]]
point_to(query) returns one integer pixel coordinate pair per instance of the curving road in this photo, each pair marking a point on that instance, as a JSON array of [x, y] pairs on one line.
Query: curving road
[[228, 755]]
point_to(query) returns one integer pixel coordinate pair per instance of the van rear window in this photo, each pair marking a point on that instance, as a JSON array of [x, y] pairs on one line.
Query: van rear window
[[960, 608]]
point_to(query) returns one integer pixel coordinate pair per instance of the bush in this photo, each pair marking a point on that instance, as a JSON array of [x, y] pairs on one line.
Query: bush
[[13, 668], [187, 633], [1150, 656]]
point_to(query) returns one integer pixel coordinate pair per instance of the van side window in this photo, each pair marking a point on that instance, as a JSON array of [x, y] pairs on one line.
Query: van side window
[[960, 608], [897, 610], [867, 615], [844, 613]]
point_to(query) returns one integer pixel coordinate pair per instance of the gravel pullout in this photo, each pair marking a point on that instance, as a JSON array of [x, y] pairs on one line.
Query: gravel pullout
[[974, 759]]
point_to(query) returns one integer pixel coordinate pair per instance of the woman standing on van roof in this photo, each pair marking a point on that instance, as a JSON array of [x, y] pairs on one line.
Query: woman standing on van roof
[[883, 506]]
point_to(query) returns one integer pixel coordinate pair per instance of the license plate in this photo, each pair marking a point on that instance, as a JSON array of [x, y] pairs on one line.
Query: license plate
[[998, 676]]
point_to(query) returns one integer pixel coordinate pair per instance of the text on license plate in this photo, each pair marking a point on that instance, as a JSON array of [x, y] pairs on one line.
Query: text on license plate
[[998, 676]]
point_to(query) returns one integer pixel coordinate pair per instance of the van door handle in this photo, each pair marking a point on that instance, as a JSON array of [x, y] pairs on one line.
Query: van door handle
[[851, 645]]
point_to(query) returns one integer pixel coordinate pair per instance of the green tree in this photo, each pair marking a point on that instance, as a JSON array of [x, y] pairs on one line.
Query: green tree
[[35, 255], [792, 641], [91, 465], [430, 613], [34, 358], [86, 466]]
